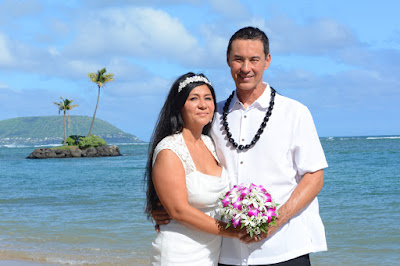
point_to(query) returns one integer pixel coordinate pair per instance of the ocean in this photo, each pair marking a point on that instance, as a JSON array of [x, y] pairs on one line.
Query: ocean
[[89, 211]]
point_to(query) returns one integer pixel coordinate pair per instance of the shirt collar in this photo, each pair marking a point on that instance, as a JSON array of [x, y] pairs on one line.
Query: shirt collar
[[261, 102]]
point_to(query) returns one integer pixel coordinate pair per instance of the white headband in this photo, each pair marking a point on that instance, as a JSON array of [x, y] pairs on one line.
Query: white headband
[[188, 80]]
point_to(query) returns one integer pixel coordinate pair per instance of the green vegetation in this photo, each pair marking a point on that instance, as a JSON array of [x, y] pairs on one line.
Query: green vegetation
[[85, 142], [91, 141], [73, 140], [100, 78], [65, 106], [65, 148]]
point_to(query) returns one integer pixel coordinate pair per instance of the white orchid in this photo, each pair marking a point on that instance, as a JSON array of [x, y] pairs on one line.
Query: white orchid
[[250, 206]]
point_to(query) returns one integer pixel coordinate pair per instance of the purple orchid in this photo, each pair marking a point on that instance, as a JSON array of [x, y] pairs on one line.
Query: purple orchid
[[253, 211], [262, 189], [236, 222], [268, 197], [269, 218], [244, 192], [238, 205], [248, 205], [271, 212], [225, 202]]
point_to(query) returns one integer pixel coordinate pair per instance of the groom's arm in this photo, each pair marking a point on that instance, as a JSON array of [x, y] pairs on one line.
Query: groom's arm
[[308, 188], [160, 216]]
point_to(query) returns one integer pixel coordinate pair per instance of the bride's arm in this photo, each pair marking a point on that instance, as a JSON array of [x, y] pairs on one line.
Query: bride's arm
[[170, 184]]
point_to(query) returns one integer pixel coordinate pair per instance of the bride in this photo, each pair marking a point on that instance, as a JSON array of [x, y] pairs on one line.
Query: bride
[[184, 174]]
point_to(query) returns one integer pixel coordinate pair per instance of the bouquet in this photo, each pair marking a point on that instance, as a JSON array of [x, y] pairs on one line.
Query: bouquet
[[249, 206]]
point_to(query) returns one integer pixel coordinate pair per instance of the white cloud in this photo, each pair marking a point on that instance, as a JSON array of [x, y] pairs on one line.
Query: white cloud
[[53, 51], [60, 27], [215, 44], [315, 37], [383, 60], [20, 103], [6, 58], [12, 9], [4, 85], [125, 70], [154, 86], [51, 62], [230, 8], [103, 3], [140, 32], [345, 89]]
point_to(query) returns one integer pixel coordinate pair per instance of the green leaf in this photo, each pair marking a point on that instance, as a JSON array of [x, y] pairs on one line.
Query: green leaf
[[251, 233], [229, 224]]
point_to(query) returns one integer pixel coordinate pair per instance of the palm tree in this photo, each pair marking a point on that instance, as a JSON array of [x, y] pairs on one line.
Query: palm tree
[[100, 78], [65, 105]]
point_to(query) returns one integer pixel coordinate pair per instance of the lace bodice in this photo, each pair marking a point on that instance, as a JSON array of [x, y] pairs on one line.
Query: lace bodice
[[176, 143]]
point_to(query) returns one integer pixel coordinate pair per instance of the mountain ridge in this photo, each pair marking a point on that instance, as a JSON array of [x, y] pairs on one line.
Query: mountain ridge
[[43, 130]]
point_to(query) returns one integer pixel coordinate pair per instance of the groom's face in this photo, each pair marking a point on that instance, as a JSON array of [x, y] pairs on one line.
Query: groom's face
[[248, 61]]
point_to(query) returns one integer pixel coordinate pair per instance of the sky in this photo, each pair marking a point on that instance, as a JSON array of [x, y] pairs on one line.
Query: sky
[[339, 58]]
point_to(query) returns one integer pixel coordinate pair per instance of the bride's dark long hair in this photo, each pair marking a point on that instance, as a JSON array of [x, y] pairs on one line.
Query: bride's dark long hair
[[169, 122]]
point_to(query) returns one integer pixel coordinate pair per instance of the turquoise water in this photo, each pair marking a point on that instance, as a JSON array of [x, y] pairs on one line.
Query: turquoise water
[[90, 210]]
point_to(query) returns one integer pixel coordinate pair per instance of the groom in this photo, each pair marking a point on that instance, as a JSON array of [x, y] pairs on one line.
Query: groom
[[267, 139]]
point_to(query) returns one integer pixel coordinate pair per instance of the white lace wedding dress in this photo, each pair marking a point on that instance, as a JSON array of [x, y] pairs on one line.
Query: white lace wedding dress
[[176, 244]]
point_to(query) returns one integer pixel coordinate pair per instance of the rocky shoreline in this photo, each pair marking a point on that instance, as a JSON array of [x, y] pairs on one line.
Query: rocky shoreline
[[75, 152]]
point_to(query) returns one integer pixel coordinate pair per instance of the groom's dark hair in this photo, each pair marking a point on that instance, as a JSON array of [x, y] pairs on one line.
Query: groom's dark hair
[[250, 33]]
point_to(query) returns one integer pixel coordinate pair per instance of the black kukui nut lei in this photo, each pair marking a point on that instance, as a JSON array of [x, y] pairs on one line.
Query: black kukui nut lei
[[259, 131]]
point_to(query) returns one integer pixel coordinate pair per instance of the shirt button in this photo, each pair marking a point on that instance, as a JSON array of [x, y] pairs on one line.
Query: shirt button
[[245, 116], [241, 162], [242, 139]]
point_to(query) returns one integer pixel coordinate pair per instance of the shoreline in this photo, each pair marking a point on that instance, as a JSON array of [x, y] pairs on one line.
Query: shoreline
[[15, 258], [21, 262]]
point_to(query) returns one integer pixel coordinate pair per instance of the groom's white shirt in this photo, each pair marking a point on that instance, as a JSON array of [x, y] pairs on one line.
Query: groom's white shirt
[[288, 148]]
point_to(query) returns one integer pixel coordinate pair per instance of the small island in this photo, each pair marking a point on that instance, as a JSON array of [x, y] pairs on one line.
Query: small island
[[78, 146], [74, 152]]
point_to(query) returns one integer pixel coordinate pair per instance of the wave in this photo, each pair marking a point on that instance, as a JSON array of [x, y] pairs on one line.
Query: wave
[[338, 138], [46, 145], [391, 137], [130, 143], [13, 146], [28, 146], [59, 145], [359, 138]]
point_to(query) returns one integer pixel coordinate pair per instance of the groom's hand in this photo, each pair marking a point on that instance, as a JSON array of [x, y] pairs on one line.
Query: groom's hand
[[160, 216], [247, 239]]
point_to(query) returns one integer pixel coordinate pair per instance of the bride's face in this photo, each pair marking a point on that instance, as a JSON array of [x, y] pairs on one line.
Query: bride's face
[[199, 107]]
